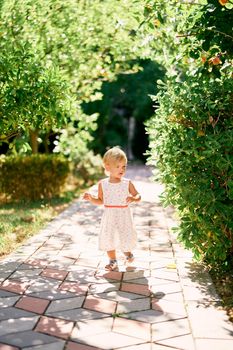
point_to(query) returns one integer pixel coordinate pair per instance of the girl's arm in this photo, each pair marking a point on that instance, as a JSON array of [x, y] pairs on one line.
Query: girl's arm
[[95, 200], [134, 195]]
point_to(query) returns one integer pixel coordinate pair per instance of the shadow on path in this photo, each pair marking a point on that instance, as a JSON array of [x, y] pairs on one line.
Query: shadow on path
[[55, 293]]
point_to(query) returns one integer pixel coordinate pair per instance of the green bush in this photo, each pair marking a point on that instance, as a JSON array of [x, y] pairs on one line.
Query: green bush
[[73, 145], [33, 177], [191, 137], [89, 167], [191, 140]]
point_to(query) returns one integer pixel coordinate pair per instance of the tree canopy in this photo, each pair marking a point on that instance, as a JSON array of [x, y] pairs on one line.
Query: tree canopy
[[56, 54]]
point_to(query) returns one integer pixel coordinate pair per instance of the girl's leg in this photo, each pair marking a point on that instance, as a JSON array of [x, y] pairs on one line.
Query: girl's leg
[[111, 254], [112, 265]]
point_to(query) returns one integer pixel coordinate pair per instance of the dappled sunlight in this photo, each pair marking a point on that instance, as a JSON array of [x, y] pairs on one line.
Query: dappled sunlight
[[61, 291], [196, 278], [77, 79]]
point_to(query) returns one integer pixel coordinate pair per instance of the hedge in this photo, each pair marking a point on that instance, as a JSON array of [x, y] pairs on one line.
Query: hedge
[[33, 177]]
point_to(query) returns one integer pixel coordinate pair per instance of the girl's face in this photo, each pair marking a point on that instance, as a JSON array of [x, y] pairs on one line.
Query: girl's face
[[116, 169]]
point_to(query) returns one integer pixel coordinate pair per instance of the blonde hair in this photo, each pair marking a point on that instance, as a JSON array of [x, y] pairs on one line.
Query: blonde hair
[[114, 154]]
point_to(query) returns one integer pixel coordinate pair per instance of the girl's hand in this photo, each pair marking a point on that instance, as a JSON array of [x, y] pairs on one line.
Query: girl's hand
[[130, 199], [87, 196]]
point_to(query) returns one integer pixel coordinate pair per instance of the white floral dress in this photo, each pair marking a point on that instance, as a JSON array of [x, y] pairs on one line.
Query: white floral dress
[[117, 229]]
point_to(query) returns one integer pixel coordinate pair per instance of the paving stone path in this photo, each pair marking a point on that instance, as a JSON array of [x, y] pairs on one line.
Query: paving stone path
[[55, 293]]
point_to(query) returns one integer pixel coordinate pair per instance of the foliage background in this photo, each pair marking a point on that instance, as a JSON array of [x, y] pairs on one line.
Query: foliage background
[[191, 133]]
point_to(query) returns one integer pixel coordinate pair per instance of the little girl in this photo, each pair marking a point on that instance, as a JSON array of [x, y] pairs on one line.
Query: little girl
[[116, 193]]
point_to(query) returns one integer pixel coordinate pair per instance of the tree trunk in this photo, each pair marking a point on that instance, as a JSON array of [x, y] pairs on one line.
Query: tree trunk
[[46, 143], [34, 141], [131, 131]]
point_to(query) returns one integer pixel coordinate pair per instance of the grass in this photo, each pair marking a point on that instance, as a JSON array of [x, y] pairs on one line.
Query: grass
[[20, 220]]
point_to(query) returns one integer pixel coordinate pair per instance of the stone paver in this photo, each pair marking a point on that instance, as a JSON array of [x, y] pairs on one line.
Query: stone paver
[[152, 316], [78, 314], [109, 275], [183, 342], [14, 286], [18, 325], [133, 305], [109, 340], [26, 274], [74, 287], [42, 284], [56, 295], [7, 347], [5, 294], [55, 326], [136, 288], [217, 327], [103, 287], [32, 304], [14, 313], [27, 339], [213, 344], [8, 267], [8, 301], [53, 273], [149, 346], [53, 294], [98, 304], [174, 306], [76, 346], [169, 329], [133, 328], [37, 263], [118, 295], [89, 328], [59, 345], [66, 304]]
